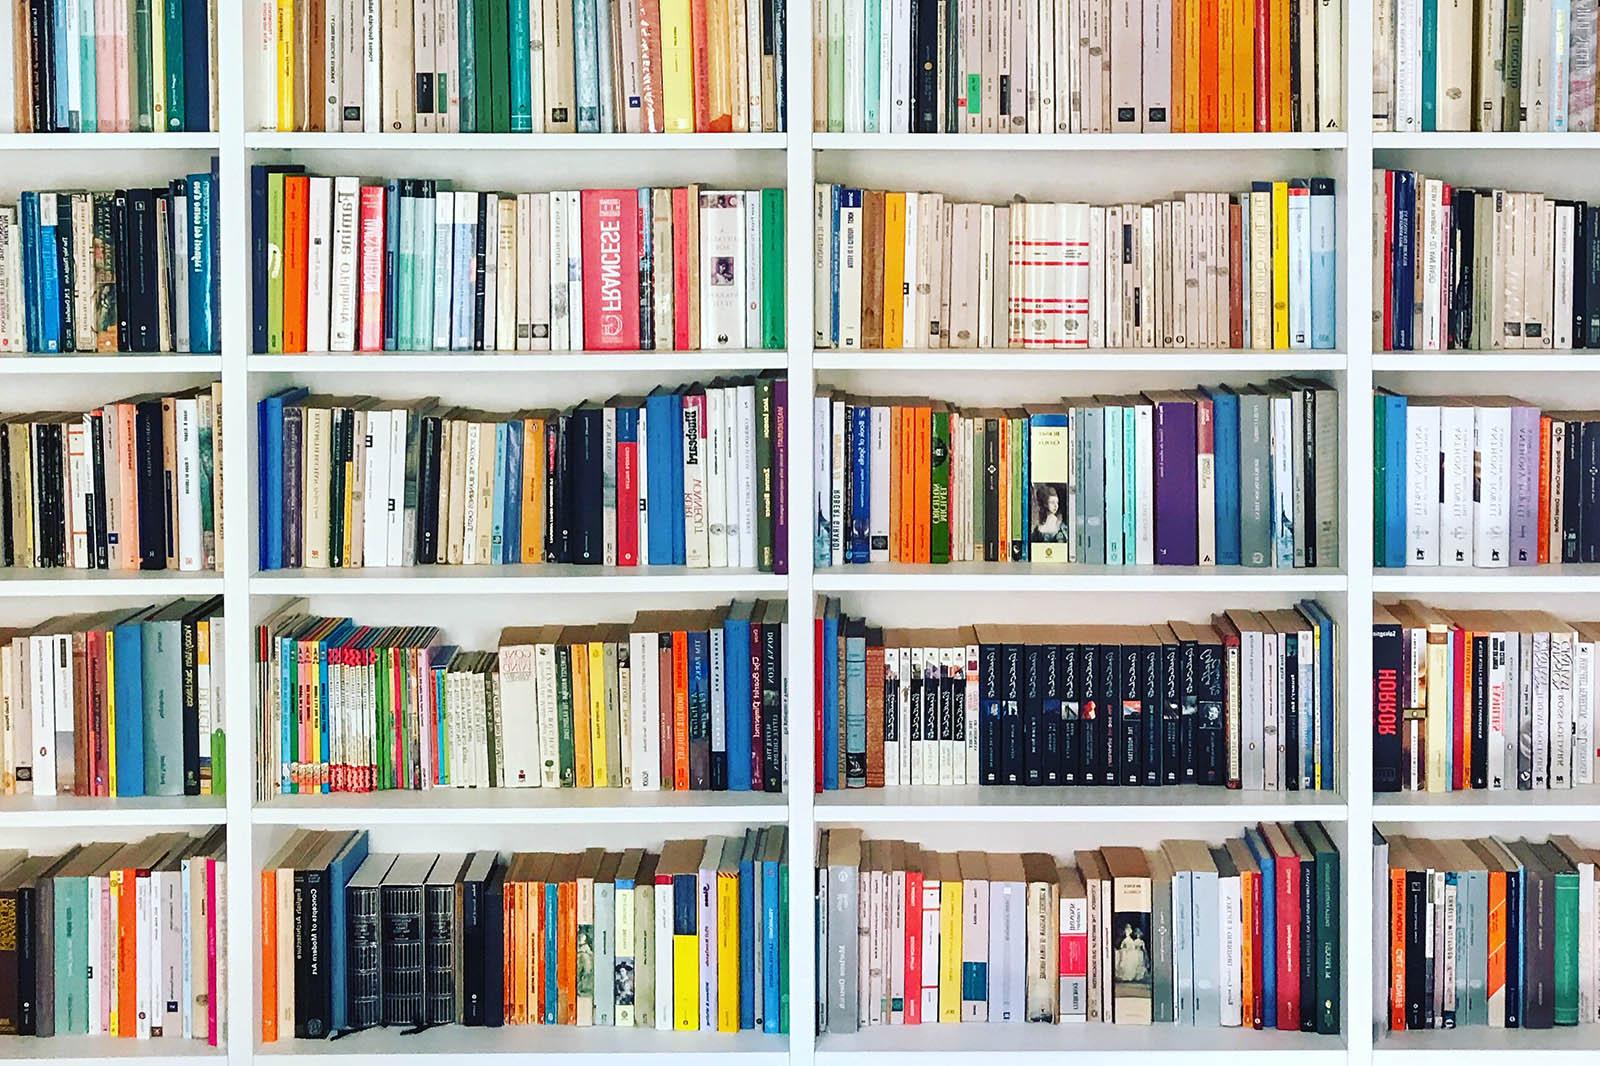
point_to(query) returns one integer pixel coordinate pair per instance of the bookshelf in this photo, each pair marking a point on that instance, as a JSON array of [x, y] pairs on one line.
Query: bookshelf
[[473, 603]]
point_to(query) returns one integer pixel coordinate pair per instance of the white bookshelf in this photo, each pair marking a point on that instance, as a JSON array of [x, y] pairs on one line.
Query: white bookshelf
[[473, 603]]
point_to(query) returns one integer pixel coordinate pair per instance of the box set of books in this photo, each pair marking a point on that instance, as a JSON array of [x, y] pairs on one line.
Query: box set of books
[[1208, 477], [693, 476], [1245, 701], [673, 701], [1077, 66], [1250, 271], [1242, 934], [691, 937]]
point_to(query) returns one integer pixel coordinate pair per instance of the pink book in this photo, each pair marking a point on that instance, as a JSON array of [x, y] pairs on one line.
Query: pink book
[[128, 496], [369, 336], [628, 492], [212, 1036], [680, 268], [119, 51], [105, 66], [611, 269]]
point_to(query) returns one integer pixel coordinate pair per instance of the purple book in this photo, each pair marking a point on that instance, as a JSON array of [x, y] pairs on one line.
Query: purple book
[[1524, 486], [293, 538], [780, 476], [1177, 490]]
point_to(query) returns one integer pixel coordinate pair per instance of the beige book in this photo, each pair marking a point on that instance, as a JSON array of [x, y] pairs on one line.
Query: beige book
[[1131, 994], [1537, 74], [507, 277], [1515, 237], [485, 490], [1092, 867], [459, 432], [1103, 7], [1261, 269], [1042, 977], [314, 501], [1127, 72], [356, 488], [819, 68], [1540, 293], [661, 232], [1489, 75], [1498, 228], [1000, 283], [399, 87], [936, 256], [559, 86], [1455, 100]]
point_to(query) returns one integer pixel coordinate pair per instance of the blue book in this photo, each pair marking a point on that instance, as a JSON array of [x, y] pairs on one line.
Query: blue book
[[59, 51], [1130, 491], [1225, 423], [463, 270], [89, 117], [196, 66], [736, 655], [1403, 245], [747, 929], [391, 261], [344, 864], [658, 456], [513, 545], [28, 213], [173, 61], [771, 962], [202, 311], [1394, 480], [271, 474], [859, 547], [1269, 920], [552, 915], [49, 274], [830, 699], [675, 516], [1324, 263], [586, 65], [497, 524], [855, 705], [521, 84], [127, 660]]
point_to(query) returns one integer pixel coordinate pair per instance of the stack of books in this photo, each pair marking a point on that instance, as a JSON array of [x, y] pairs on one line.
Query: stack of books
[[693, 476], [134, 270], [1254, 270], [411, 264], [1481, 699], [1485, 481], [520, 66], [1499, 65], [142, 693], [1209, 477], [114, 68], [692, 937], [1485, 932], [131, 485], [1245, 701], [117, 939], [672, 701], [1482, 269], [1240, 934], [1081, 66]]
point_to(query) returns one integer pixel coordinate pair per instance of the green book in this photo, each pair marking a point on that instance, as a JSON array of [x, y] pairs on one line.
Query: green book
[[173, 44], [141, 59], [163, 700], [939, 487], [764, 474], [564, 711], [836, 68], [491, 698], [773, 307], [405, 279], [499, 65], [1511, 118], [275, 263], [467, 16], [1112, 428], [483, 45], [1567, 932], [1325, 937]]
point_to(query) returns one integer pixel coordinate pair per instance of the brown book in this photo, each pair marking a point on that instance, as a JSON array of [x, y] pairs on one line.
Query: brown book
[[872, 251], [315, 21], [1236, 272], [874, 674], [22, 68]]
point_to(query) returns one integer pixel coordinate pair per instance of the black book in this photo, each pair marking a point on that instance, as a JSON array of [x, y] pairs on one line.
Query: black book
[[393, 193], [949, 63], [1032, 715], [1151, 682], [930, 700], [1129, 767], [403, 940], [190, 675], [991, 490], [1089, 713], [313, 970], [1418, 988], [97, 517], [1290, 695], [772, 626], [480, 284], [143, 282], [336, 481], [493, 894], [1580, 272], [925, 64], [891, 693], [1515, 900], [1589, 492], [428, 453], [1172, 770], [1049, 679], [41, 39], [1110, 713], [7, 544], [1013, 760], [1462, 219], [585, 460], [121, 256], [66, 254], [1067, 672], [913, 714], [988, 713], [958, 705], [364, 942], [946, 686], [1480, 710], [293, 463], [439, 929], [150, 480], [1308, 467], [1297, 71], [555, 489], [1388, 659], [1538, 938], [1211, 693], [1571, 505], [1189, 705], [1308, 927], [1590, 254]]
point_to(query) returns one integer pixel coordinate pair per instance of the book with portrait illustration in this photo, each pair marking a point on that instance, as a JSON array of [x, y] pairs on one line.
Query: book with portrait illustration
[[1049, 490]]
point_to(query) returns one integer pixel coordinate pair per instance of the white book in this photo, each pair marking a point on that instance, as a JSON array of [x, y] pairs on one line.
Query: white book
[[893, 714], [346, 284], [1433, 251], [560, 329], [1456, 431], [986, 270], [918, 771], [491, 269], [664, 957], [880, 461], [519, 716], [968, 774], [374, 531], [1272, 718], [1422, 484], [1408, 66], [900, 67], [1097, 277], [372, 64], [721, 270], [822, 229], [850, 250], [1113, 274], [716, 480], [1252, 719], [642, 465], [540, 330], [1502, 691], [1489, 72], [1583, 716], [191, 552], [1491, 520], [1541, 710], [747, 476], [913, 264], [695, 532], [444, 251], [752, 266], [1454, 61], [523, 328], [645, 681], [1144, 457], [1228, 923], [393, 498], [544, 673], [855, 79], [42, 705], [952, 752], [909, 757], [266, 45], [506, 278], [574, 235], [1561, 248], [12, 333], [729, 448], [822, 480], [1539, 65], [318, 279], [836, 514], [1563, 710], [1299, 266]]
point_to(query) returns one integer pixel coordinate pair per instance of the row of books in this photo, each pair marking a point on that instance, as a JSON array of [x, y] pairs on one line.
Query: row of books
[[413, 265], [1084, 66], [119, 703], [1246, 701], [1481, 699], [131, 485], [1240, 934], [117, 939], [109, 68], [1497, 65], [1182, 478], [135, 270], [671, 701], [1203, 270], [521, 66], [1484, 481], [693, 937], [1484, 932], [1482, 268], [691, 476]]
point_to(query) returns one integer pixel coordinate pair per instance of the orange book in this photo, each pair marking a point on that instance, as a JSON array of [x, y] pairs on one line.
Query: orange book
[[1244, 96], [1226, 24], [1191, 66], [1397, 942], [269, 955], [582, 751], [700, 40], [1247, 975], [567, 940], [924, 484], [296, 248], [517, 894], [508, 954], [1278, 112], [1178, 115], [896, 484], [533, 445], [680, 711], [1209, 46], [1544, 489], [128, 951], [1497, 935], [906, 462], [1003, 530], [719, 92]]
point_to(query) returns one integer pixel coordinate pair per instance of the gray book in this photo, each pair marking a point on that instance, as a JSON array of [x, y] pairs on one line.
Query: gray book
[[1008, 914], [820, 910], [1255, 478], [441, 938], [1325, 463], [1380, 929], [1093, 504], [605, 943], [1298, 446], [1174, 853], [163, 699], [403, 940], [1524, 735], [1161, 956], [843, 892], [1207, 937], [1232, 947], [1538, 937]]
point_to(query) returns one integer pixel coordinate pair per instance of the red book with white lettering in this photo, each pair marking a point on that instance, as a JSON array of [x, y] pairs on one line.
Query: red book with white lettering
[[913, 949], [627, 482], [370, 337], [1286, 871], [611, 269]]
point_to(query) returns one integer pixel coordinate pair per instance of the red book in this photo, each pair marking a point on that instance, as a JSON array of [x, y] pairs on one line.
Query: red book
[[628, 485], [611, 269], [369, 336], [296, 249], [1286, 870], [1461, 688], [680, 269], [1237, 269], [668, 740], [700, 42], [1263, 95], [817, 700], [913, 980], [212, 1035], [1387, 207], [1444, 262]]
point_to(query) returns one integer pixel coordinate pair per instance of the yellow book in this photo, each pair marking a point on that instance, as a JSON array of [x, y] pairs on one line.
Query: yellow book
[[1191, 66], [1278, 94], [894, 269], [1244, 37], [677, 66], [728, 938], [1437, 743], [1280, 265], [679, 866], [158, 67], [287, 36], [600, 768], [111, 712], [581, 737], [949, 939], [1225, 46]]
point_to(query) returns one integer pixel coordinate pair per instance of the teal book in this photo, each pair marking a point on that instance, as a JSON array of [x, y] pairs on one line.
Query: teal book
[[603, 10], [1130, 488], [1430, 65], [483, 67], [422, 250], [1567, 933], [89, 115], [520, 78], [855, 708], [72, 952], [163, 701], [873, 74], [773, 305], [467, 49], [406, 268], [1113, 481], [835, 68], [173, 14], [586, 64]]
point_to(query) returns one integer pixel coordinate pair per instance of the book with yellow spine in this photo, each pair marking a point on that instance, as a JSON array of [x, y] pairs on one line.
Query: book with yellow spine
[[598, 762], [578, 652], [1226, 27], [1244, 36], [111, 710], [1280, 265], [286, 50], [1278, 97], [1191, 66], [894, 269], [677, 61], [950, 889], [728, 937], [680, 863]]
